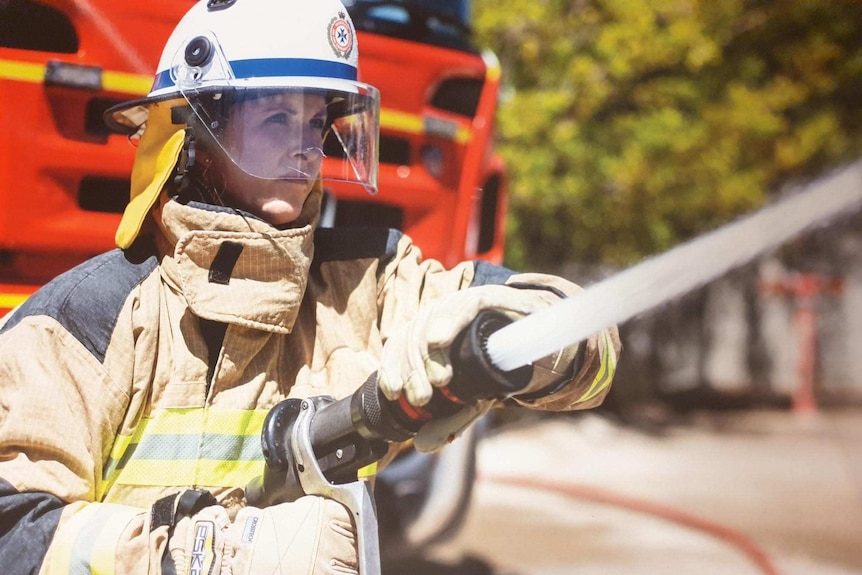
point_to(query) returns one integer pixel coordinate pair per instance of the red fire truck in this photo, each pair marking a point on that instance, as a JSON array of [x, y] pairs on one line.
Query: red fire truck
[[64, 178]]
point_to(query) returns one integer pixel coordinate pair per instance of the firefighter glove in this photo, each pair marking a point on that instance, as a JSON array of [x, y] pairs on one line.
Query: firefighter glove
[[415, 359], [310, 536]]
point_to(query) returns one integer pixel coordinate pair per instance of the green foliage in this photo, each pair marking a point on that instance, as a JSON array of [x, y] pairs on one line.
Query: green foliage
[[631, 125]]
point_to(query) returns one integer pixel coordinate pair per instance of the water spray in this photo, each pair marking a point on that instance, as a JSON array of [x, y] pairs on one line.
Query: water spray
[[665, 277]]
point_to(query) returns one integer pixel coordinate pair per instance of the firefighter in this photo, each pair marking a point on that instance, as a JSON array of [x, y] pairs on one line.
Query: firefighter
[[134, 386]]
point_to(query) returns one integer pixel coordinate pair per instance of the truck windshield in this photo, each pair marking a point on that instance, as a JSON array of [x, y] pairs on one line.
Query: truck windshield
[[438, 22]]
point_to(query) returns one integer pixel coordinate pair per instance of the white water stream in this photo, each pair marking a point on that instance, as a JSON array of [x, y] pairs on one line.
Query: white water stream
[[662, 278]]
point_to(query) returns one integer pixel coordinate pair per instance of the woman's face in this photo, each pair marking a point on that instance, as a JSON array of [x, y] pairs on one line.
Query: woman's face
[[276, 142]]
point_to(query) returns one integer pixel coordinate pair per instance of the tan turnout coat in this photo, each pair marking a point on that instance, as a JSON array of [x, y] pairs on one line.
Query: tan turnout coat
[[116, 377]]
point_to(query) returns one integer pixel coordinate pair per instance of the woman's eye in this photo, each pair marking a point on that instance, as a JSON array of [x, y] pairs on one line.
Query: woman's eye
[[280, 118], [318, 123]]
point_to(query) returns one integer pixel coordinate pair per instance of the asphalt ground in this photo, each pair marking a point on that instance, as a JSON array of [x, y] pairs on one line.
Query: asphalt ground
[[765, 492]]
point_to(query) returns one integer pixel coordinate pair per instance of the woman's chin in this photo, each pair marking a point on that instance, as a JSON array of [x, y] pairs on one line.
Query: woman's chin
[[280, 212], [278, 202], [284, 202]]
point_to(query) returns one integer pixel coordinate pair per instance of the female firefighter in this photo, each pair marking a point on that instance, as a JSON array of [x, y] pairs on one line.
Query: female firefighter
[[133, 387]]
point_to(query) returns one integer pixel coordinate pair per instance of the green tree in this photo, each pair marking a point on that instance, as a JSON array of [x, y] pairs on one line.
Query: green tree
[[629, 126]]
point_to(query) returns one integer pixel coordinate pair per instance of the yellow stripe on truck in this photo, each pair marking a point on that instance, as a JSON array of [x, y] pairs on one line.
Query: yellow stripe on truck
[[123, 82], [139, 85], [11, 300], [22, 71], [418, 125], [126, 83], [402, 122]]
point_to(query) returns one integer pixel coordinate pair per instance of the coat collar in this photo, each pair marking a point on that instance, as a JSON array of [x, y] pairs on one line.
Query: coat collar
[[234, 268]]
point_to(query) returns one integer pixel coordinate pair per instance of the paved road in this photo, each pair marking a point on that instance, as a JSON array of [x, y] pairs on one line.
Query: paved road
[[763, 492]]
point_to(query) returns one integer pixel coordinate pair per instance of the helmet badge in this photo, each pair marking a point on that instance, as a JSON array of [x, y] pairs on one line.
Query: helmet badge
[[341, 36]]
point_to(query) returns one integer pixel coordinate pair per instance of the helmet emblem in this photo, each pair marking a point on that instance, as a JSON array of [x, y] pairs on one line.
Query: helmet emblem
[[341, 36]]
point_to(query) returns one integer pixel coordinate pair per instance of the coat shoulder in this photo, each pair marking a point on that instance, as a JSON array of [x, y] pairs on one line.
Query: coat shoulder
[[355, 243], [87, 299]]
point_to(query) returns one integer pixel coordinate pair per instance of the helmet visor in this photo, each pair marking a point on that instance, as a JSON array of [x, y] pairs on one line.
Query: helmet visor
[[294, 133]]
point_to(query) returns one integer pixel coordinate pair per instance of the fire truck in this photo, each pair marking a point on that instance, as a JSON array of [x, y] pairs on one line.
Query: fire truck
[[64, 178]]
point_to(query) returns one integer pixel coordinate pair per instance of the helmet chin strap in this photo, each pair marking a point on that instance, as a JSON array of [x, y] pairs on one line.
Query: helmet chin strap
[[186, 162], [191, 177]]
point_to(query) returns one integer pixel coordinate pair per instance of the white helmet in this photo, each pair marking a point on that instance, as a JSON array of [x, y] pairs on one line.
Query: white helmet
[[227, 51]]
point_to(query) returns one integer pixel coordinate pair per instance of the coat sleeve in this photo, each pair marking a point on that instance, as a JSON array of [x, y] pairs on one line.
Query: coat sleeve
[[59, 413], [60, 410], [408, 282], [29, 521]]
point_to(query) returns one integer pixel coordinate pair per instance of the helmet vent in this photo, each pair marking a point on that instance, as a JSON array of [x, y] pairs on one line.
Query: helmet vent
[[220, 4], [199, 51]]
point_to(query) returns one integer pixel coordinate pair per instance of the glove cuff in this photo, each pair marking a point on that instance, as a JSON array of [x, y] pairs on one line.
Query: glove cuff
[[170, 510], [558, 384]]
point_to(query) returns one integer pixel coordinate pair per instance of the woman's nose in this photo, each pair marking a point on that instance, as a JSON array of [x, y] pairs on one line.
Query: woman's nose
[[311, 153]]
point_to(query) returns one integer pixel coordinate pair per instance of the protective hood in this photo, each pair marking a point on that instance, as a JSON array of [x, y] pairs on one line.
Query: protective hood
[[158, 151]]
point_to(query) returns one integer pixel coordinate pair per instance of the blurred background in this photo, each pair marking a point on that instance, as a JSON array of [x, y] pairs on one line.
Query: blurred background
[[629, 127], [576, 137], [730, 441]]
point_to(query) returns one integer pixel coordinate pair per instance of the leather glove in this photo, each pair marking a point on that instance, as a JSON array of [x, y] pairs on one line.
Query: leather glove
[[310, 536], [415, 359]]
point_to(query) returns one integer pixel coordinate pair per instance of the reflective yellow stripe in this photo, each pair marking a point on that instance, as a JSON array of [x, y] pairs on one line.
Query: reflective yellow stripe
[[606, 369], [139, 85], [463, 135], [401, 121], [194, 419], [87, 541], [59, 557], [415, 124], [135, 84], [369, 470], [21, 71], [10, 300], [204, 472], [493, 70], [102, 538], [110, 474], [127, 83], [195, 446]]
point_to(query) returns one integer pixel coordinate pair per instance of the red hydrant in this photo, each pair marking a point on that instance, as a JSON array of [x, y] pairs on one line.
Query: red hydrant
[[804, 288]]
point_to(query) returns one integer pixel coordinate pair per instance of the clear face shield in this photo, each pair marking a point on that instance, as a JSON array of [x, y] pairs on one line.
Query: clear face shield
[[302, 129]]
